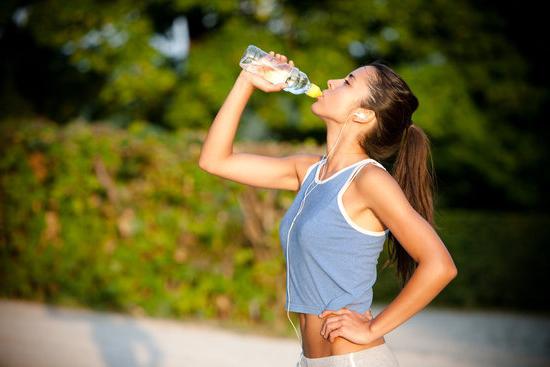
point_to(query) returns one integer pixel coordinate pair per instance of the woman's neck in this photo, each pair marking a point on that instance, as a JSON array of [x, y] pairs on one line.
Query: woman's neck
[[343, 159]]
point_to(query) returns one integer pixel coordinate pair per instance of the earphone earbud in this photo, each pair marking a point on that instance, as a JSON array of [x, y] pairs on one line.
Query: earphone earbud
[[361, 115]]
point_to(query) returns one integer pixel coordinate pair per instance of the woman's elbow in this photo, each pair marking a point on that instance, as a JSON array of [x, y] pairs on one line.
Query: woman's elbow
[[443, 269], [449, 269], [453, 271]]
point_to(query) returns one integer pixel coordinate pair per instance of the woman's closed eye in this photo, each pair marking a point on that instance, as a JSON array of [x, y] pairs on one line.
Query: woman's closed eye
[[346, 82]]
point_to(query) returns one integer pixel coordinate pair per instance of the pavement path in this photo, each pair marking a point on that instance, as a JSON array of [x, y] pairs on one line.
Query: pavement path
[[38, 335]]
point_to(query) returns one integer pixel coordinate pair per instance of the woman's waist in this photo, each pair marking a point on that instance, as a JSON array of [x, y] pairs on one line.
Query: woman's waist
[[315, 346]]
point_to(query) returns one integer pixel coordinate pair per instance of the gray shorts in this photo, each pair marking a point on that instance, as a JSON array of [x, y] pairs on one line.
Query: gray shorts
[[378, 356]]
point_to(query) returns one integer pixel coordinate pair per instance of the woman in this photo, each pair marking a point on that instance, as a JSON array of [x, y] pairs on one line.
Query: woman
[[346, 207]]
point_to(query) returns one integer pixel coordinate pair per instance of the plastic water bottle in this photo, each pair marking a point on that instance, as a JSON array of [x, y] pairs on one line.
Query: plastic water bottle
[[257, 61]]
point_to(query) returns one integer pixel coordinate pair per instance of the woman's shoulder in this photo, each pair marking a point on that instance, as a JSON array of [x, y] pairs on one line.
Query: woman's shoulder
[[371, 174], [304, 161], [375, 183]]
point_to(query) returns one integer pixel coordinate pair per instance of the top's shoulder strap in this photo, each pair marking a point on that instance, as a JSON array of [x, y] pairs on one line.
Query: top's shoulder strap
[[363, 164]]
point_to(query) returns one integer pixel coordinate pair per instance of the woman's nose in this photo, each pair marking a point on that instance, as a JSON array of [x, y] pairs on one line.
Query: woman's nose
[[331, 83]]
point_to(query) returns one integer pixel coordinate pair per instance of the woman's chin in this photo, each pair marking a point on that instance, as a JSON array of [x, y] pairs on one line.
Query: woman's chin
[[314, 108]]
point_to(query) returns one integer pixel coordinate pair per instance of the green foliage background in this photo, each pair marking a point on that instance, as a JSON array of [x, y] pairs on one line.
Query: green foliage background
[[102, 203], [480, 101]]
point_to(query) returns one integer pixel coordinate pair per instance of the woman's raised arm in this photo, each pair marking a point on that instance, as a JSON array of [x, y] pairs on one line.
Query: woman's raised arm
[[217, 156]]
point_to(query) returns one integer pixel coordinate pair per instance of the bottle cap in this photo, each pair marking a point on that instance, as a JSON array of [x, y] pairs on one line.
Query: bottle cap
[[314, 91]]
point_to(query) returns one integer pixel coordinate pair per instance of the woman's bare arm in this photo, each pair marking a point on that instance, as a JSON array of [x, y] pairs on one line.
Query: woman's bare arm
[[218, 144], [217, 156], [435, 267]]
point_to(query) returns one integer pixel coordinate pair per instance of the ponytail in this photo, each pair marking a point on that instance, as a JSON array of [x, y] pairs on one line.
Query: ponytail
[[411, 172], [395, 135]]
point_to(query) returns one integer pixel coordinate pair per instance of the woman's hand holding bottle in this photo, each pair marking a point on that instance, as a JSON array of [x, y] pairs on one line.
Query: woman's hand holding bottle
[[262, 84]]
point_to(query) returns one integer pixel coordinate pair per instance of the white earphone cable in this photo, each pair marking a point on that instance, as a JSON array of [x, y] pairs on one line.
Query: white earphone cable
[[323, 161]]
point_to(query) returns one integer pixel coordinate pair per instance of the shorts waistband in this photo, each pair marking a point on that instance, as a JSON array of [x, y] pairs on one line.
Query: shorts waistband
[[343, 360]]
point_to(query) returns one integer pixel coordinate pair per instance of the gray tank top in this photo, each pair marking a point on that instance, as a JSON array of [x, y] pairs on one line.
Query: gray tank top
[[331, 260]]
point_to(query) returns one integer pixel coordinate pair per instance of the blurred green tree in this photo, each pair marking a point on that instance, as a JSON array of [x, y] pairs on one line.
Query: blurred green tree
[[124, 61]]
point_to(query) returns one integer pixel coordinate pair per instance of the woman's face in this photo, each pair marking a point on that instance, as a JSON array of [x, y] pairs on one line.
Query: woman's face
[[343, 96]]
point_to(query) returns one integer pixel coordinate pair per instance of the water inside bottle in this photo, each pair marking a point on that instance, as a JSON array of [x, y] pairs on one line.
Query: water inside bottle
[[270, 69]]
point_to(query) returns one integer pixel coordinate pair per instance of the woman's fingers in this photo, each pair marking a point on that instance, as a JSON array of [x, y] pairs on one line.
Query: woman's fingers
[[280, 57], [341, 311], [331, 324]]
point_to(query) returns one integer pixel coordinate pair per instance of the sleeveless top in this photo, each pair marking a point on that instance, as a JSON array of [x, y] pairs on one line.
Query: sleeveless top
[[331, 260]]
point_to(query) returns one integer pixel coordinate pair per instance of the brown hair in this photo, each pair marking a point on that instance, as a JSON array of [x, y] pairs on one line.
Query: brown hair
[[397, 136]]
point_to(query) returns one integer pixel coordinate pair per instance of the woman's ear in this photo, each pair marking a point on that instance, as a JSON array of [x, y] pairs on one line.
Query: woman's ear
[[364, 115]]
